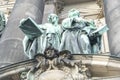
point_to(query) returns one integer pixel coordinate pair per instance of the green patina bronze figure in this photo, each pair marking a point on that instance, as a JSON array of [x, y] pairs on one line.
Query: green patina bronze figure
[[75, 37], [2, 22], [95, 38], [39, 37], [81, 36]]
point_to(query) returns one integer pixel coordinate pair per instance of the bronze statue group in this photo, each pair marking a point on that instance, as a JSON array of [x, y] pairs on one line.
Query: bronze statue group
[[75, 34]]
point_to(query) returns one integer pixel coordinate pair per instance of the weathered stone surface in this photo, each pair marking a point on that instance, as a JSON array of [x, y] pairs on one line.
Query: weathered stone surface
[[112, 16], [11, 49]]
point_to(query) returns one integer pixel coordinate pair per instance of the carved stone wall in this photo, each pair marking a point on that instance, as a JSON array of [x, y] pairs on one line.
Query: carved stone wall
[[101, 67]]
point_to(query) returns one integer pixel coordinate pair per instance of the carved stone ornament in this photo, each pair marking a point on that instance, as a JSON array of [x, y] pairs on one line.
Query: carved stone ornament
[[54, 65]]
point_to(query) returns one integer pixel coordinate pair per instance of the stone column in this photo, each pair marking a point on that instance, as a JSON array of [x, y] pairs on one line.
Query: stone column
[[49, 8], [112, 15], [52, 6], [11, 48]]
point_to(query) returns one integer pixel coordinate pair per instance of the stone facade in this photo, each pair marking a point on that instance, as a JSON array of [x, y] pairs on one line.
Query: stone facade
[[100, 67]]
